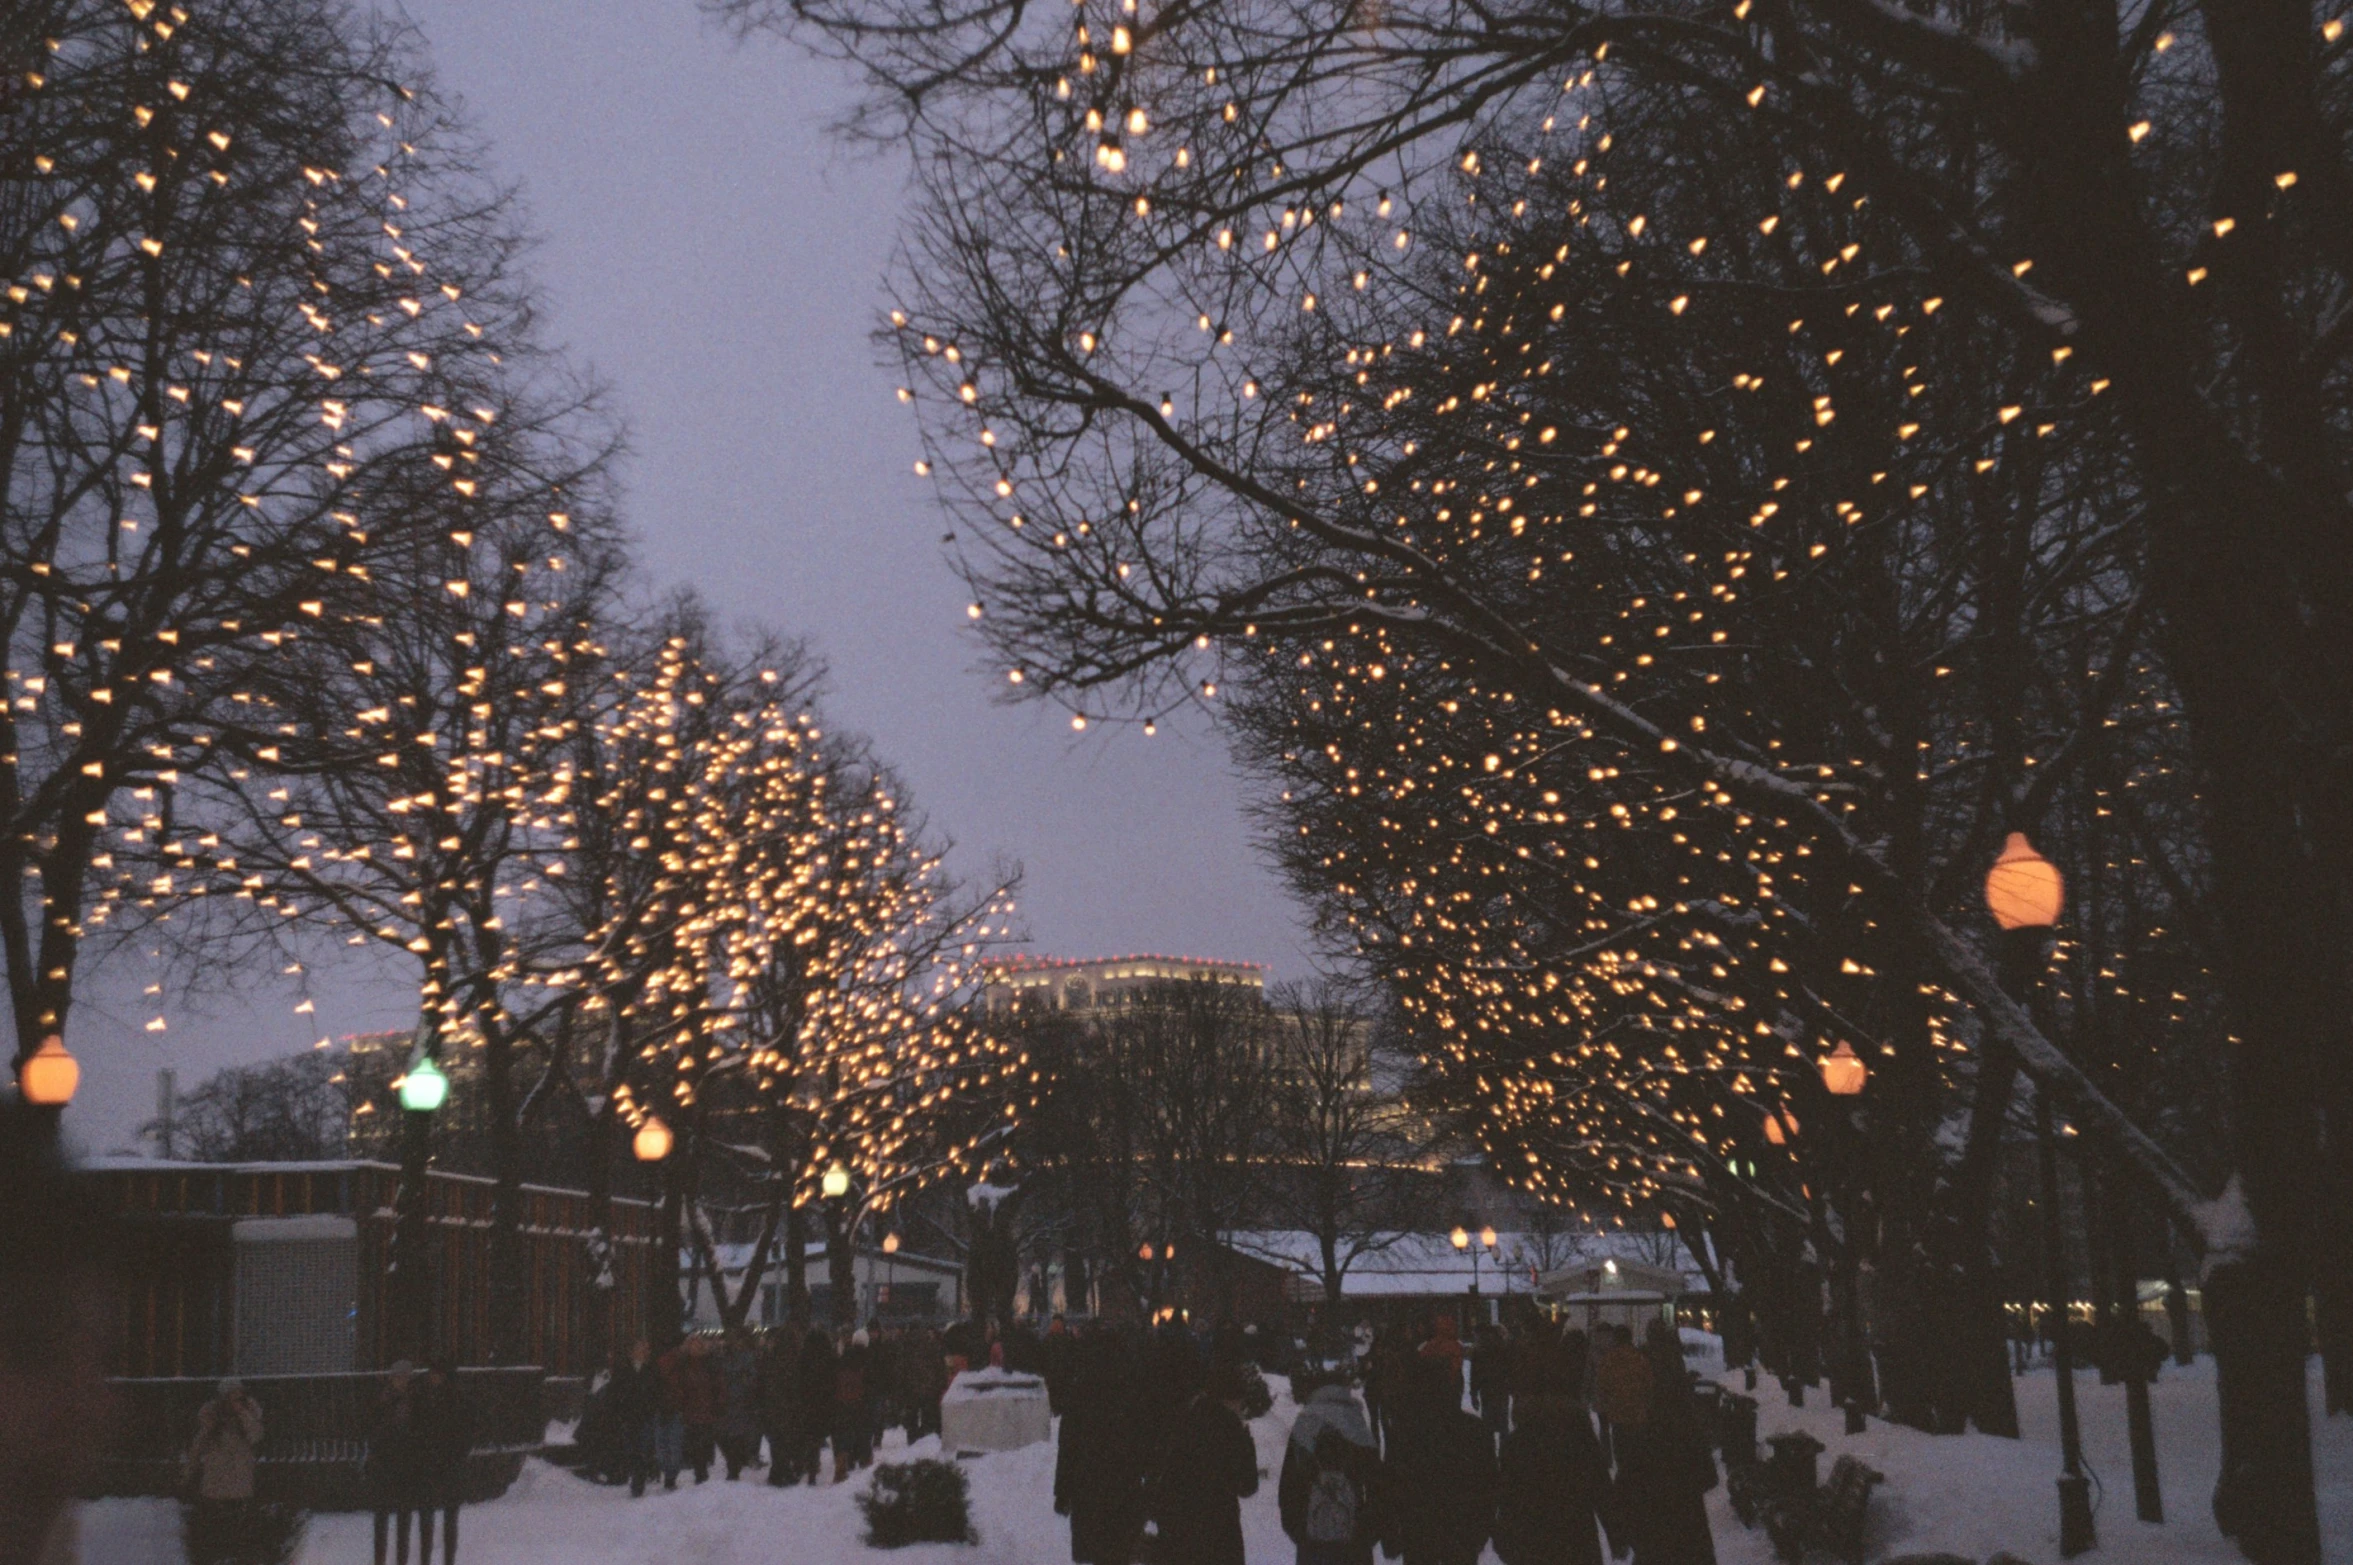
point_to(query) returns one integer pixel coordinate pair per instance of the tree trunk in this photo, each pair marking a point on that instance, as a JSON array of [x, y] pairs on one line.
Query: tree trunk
[[510, 1288], [841, 1267], [796, 1265]]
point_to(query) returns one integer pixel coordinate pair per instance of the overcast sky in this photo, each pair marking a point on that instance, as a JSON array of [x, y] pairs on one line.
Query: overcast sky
[[715, 258]]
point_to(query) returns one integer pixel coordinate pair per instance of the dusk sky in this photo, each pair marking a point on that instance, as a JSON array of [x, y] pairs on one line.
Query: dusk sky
[[718, 260]]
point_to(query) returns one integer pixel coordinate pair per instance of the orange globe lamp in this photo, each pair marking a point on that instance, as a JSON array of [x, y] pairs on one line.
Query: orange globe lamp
[[2024, 890], [49, 1078], [1460, 1238], [1843, 1071], [653, 1140]]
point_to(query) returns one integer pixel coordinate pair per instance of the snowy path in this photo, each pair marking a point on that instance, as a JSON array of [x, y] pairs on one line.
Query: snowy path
[[1971, 1495]]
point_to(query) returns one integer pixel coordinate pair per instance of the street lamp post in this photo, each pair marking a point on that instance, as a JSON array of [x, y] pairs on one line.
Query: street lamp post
[[890, 1269], [2025, 893], [841, 1262], [424, 1087]]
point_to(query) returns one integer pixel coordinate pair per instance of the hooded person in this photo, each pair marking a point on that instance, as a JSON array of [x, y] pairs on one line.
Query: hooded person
[[1103, 1455], [1208, 1467], [1441, 1472], [1553, 1484], [1664, 1467], [1330, 1490], [220, 1467]]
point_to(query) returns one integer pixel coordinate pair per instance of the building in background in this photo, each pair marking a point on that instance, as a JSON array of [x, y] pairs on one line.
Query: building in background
[[1102, 983]]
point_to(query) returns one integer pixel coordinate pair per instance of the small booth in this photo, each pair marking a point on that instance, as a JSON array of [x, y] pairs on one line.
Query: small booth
[[1611, 1292], [993, 1410]]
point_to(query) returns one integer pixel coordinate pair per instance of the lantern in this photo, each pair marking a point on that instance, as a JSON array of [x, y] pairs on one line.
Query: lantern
[[1487, 1237], [652, 1142], [1460, 1238], [49, 1078], [1144, 1252], [890, 1243], [1843, 1071], [836, 1183], [424, 1088], [2024, 890]]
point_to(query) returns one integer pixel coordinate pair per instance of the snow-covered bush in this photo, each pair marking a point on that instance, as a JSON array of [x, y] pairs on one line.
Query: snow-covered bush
[[918, 1502]]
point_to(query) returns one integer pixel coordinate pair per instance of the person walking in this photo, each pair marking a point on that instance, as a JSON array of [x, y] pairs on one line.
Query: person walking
[[1444, 1346], [670, 1420], [1441, 1473], [390, 1468], [693, 1386], [443, 1432], [1622, 1386], [1330, 1490], [220, 1468], [1664, 1466], [853, 1433], [780, 1406], [1208, 1467], [817, 1391], [1553, 1486], [634, 1398], [739, 1402], [1103, 1456]]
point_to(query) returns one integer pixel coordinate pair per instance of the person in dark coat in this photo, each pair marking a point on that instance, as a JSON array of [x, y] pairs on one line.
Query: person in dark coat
[[444, 1434], [780, 1407], [1208, 1467], [738, 1369], [1664, 1467], [1441, 1471], [1058, 1356], [853, 1429], [634, 1400], [390, 1469], [1103, 1457], [817, 1361], [1331, 1491], [1554, 1485]]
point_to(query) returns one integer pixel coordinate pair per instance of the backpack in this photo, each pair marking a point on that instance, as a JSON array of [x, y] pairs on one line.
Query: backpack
[[1331, 1507]]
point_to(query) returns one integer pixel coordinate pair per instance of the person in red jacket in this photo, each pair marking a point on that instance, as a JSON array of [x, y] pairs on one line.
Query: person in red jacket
[[1446, 1347], [690, 1395]]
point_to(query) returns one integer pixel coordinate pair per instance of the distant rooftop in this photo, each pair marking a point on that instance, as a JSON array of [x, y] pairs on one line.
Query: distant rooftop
[[1086, 983]]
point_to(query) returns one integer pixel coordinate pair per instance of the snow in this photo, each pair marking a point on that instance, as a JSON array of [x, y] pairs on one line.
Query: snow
[[1971, 1495]]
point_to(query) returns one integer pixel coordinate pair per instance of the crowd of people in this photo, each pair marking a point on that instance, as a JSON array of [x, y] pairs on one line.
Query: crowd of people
[[418, 1443], [783, 1403], [1567, 1445]]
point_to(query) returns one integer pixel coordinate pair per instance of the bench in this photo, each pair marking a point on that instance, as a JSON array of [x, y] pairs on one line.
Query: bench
[[1798, 1516]]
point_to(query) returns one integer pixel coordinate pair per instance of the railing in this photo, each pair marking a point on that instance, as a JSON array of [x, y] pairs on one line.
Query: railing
[[315, 1433]]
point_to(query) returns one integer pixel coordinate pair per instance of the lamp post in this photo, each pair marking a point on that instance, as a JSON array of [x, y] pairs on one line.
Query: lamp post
[[890, 1268], [2025, 893], [841, 1262], [423, 1088]]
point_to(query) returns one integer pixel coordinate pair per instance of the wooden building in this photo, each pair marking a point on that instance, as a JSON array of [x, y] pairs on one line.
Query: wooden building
[[283, 1269]]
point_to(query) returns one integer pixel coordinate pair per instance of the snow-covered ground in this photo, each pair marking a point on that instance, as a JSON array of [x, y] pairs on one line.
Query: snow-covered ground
[[1970, 1495]]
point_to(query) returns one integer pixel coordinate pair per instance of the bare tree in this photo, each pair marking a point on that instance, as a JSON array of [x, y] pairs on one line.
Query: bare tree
[[1340, 1154]]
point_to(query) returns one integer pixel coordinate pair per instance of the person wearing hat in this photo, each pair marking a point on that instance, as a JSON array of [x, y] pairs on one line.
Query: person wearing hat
[[220, 1470], [853, 1426]]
